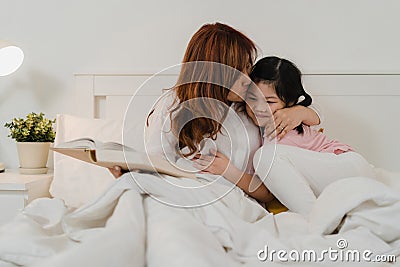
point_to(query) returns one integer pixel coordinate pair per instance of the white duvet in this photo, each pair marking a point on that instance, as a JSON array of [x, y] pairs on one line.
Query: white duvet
[[126, 227]]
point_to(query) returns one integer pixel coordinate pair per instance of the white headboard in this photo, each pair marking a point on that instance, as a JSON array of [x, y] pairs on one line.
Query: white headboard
[[361, 110]]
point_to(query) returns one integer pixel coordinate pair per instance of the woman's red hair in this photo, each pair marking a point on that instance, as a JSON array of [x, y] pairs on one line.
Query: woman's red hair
[[192, 121]]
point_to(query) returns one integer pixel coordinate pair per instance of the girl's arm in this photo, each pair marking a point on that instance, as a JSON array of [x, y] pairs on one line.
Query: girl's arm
[[287, 119], [219, 164]]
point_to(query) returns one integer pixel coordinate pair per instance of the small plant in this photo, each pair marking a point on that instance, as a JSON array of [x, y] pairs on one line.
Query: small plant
[[35, 128]]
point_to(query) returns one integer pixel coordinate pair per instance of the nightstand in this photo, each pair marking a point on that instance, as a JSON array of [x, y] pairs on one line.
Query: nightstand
[[18, 190]]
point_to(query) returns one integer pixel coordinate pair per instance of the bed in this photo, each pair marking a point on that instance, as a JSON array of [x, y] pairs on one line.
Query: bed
[[94, 220]]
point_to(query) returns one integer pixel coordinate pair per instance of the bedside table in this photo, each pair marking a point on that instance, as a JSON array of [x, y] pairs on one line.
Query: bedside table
[[17, 190]]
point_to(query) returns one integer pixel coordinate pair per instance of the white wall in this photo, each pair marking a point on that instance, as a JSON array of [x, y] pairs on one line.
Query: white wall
[[60, 38]]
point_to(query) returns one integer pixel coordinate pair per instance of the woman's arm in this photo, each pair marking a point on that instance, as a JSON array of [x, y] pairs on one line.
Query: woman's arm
[[158, 138], [219, 164]]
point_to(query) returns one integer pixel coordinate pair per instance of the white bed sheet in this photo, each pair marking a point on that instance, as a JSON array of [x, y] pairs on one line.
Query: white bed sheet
[[125, 227]]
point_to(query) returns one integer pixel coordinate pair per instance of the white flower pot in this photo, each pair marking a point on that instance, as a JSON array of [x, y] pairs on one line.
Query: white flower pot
[[33, 157]]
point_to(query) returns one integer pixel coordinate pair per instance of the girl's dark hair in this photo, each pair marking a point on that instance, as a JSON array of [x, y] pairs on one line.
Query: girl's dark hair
[[285, 78]]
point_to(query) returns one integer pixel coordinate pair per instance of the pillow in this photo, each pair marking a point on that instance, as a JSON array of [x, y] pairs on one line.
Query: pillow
[[78, 182]]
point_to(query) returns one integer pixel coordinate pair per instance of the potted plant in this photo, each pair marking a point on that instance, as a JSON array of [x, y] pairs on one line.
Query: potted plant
[[33, 135]]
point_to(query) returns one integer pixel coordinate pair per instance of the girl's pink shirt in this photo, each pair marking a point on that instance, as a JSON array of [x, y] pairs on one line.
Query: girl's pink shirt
[[314, 140]]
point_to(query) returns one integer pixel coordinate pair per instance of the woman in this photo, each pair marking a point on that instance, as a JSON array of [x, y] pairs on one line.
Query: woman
[[215, 70]]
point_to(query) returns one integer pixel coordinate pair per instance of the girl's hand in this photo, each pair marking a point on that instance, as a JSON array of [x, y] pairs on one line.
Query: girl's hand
[[216, 163], [286, 119]]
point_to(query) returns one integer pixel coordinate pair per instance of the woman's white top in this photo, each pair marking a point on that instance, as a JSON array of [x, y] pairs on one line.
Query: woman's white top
[[238, 139]]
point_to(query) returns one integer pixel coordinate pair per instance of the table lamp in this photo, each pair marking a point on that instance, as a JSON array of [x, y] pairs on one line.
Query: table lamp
[[11, 57]]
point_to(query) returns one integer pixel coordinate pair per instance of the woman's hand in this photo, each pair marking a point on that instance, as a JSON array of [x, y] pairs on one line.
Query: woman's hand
[[286, 119], [220, 164], [116, 171], [216, 163]]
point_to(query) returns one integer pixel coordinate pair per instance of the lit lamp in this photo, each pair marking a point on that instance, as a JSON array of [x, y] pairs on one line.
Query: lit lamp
[[11, 58]]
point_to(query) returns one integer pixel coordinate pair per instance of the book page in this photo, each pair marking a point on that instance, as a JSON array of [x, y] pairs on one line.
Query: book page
[[92, 144], [113, 146], [110, 154], [87, 143]]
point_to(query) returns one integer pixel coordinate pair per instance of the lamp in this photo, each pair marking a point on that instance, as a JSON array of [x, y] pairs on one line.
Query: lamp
[[11, 57]]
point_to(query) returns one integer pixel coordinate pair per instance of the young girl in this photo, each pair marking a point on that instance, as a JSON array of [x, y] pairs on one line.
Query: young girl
[[279, 86], [295, 176], [292, 167]]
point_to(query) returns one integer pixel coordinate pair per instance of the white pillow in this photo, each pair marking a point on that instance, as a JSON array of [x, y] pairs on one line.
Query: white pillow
[[77, 182]]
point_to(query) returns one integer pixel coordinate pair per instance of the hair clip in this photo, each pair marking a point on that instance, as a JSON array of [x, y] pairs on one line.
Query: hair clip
[[300, 99]]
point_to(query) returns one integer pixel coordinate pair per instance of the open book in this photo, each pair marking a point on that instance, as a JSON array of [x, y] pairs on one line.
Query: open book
[[111, 154]]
